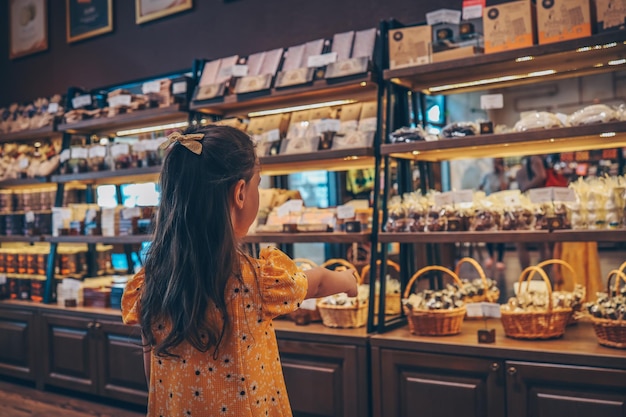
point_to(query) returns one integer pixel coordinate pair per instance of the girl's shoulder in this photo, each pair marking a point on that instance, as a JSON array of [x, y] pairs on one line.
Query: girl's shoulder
[[131, 297]]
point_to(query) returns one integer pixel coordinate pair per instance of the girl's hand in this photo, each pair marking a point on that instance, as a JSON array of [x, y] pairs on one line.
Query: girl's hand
[[351, 284]]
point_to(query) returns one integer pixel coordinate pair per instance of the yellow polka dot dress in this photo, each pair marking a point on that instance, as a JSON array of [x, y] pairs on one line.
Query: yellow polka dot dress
[[246, 379]]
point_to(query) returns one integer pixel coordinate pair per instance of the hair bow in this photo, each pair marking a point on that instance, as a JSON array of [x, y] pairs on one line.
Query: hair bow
[[189, 141]]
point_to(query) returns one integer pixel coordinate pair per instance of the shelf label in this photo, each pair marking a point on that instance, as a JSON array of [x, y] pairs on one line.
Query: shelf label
[[316, 61], [443, 16], [444, 199], [473, 9], [97, 152], [345, 211], [309, 304], [328, 125], [485, 310], [29, 216], [463, 196], [53, 107], [491, 101], [81, 101], [540, 195], [179, 87], [151, 87], [120, 100], [564, 194], [64, 155], [79, 153], [120, 149]]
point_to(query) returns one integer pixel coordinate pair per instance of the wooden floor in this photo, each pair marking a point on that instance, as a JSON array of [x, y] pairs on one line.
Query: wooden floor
[[18, 400]]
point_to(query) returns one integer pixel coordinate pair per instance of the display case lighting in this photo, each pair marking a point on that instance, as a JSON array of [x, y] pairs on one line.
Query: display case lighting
[[596, 47], [525, 58], [350, 158], [617, 62], [298, 108], [149, 129], [607, 134], [477, 83]]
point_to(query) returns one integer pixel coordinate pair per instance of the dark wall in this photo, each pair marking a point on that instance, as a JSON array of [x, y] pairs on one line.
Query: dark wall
[[213, 29]]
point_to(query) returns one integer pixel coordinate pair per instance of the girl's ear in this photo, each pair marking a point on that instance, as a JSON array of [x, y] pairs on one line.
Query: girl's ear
[[239, 194]]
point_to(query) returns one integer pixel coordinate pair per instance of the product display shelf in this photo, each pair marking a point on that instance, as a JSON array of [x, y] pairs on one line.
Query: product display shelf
[[357, 88], [109, 240], [504, 236], [30, 134], [23, 182], [328, 160], [120, 176], [595, 54], [306, 237], [139, 118], [19, 238], [565, 139]]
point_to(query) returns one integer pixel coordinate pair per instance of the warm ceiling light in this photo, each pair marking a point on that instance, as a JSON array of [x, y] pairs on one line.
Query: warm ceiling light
[[131, 132], [298, 108]]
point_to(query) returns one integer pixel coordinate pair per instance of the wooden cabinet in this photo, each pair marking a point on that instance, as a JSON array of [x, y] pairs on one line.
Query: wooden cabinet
[[424, 384], [324, 379], [95, 356], [542, 390], [17, 344]]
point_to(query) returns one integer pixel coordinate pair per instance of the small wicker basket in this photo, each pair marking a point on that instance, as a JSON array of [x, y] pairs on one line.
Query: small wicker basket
[[302, 315], [343, 316], [433, 322], [546, 324], [572, 320], [612, 333], [487, 295], [393, 303]]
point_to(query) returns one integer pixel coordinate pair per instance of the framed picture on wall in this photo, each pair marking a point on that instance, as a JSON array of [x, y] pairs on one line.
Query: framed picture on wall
[[28, 27], [147, 10], [88, 18]]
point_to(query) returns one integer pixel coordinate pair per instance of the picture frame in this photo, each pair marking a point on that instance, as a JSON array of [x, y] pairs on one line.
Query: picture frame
[[148, 10], [88, 18], [28, 27]]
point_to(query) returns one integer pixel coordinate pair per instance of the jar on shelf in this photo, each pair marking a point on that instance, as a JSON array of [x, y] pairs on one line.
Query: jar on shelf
[[120, 153], [97, 158], [78, 159], [21, 261], [11, 261]]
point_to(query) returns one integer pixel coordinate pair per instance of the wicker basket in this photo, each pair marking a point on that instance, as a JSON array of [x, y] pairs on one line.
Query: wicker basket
[[343, 316], [434, 322], [393, 303], [546, 324], [612, 333], [302, 315], [577, 309], [488, 296]]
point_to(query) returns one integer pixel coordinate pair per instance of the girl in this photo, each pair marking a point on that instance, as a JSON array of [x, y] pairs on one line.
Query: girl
[[205, 308]]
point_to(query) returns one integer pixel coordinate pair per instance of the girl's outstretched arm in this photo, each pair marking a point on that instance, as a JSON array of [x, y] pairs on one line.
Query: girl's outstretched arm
[[324, 282]]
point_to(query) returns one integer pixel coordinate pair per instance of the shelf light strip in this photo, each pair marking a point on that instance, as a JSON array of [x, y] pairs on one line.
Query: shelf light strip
[[298, 108], [486, 81], [149, 129]]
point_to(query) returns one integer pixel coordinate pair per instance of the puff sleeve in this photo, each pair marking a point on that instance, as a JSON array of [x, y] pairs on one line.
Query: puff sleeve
[[283, 285], [131, 297]]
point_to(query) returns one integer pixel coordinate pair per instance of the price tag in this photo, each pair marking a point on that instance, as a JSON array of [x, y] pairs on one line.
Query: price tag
[[474, 310], [328, 125], [53, 107], [79, 153], [463, 196], [473, 12], [540, 195], [30, 216], [491, 310], [564, 194], [443, 16], [64, 155], [239, 70], [120, 100], [345, 211], [444, 199], [23, 163], [120, 149], [97, 152], [491, 101], [151, 87], [315, 61], [179, 87], [129, 213], [309, 304], [3, 280], [81, 101]]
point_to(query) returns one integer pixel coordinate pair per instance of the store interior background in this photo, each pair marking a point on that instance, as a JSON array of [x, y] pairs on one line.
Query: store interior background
[[223, 28]]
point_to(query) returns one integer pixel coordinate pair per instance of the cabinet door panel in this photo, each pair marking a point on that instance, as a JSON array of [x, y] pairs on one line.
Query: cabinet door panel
[[542, 390], [121, 356], [70, 353], [420, 384], [17, 356], [324, 379]]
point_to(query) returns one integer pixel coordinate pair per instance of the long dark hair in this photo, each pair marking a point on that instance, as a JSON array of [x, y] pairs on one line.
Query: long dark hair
[[195, 251]]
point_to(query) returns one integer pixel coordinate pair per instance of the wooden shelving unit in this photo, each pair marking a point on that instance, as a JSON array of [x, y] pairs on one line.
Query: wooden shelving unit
[[41, 133], [120, 176]]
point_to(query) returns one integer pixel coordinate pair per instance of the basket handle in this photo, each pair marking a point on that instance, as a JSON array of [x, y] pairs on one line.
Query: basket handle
[[526, 276], [622, 267], [366, 269], [476, 266], [557, 262], [346, 265], [305, 261], [415, 276], [618, 274]]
